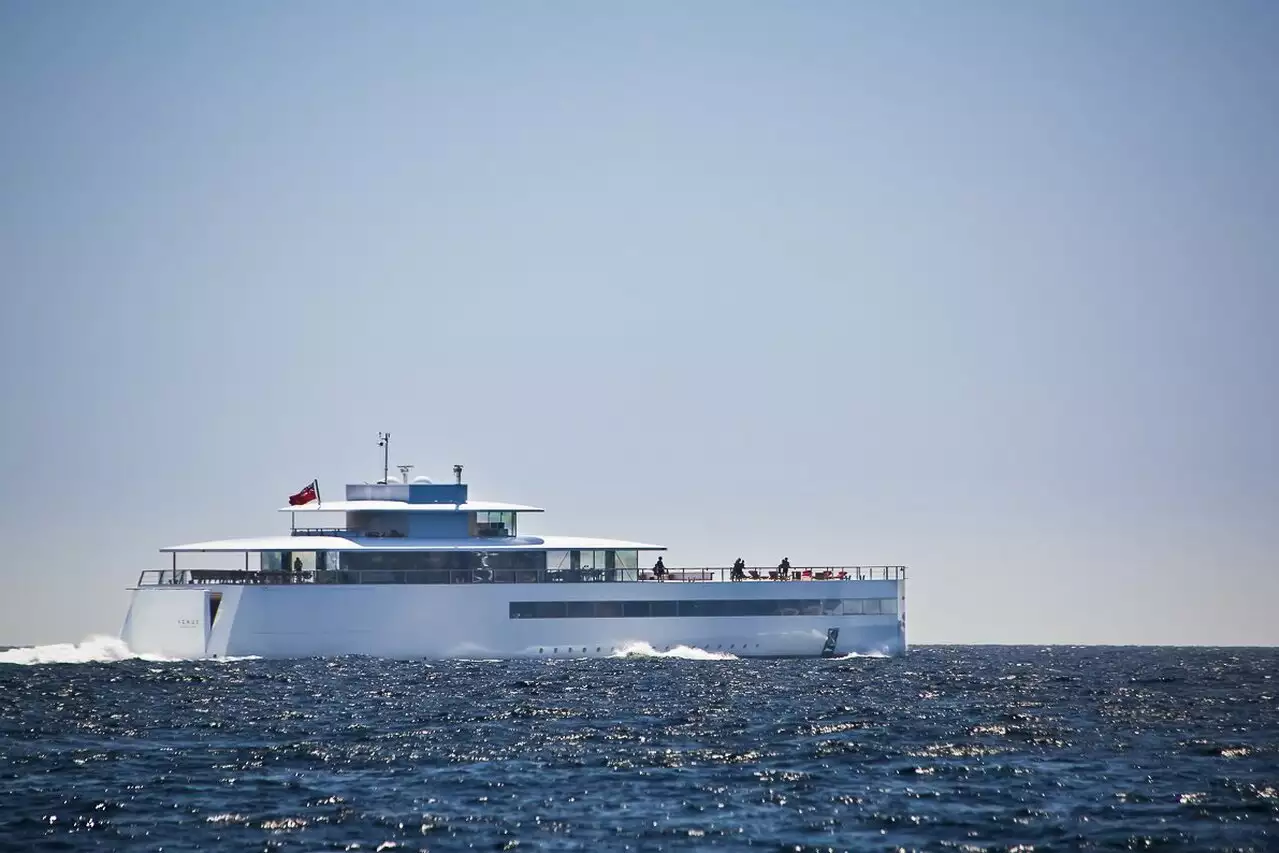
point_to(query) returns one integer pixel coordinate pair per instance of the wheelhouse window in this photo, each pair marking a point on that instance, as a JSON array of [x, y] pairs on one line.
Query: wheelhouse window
[[495, 524], [438, 567], [627, 565]]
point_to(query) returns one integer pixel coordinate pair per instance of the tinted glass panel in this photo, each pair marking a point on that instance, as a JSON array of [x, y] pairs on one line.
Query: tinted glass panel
[[701, 608], [691, 608], [549, 609], [579, 609], [664, 608], [635, 609]]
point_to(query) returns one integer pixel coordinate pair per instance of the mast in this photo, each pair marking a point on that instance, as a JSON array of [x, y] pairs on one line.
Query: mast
[[384, 442]]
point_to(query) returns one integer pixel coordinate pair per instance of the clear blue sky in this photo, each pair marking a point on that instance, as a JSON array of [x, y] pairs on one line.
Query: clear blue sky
[[988, 289]]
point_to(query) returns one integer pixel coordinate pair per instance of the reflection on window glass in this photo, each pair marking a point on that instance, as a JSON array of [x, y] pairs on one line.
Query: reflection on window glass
[[626, 564], [888, 606]]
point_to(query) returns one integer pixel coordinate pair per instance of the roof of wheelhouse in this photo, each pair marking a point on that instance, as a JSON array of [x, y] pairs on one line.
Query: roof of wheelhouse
[[352, 543], [419, 496], [407, 506]]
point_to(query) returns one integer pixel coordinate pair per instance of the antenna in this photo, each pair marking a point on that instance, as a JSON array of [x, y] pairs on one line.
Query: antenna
[[457, 469], [404, 471], [384, 442]]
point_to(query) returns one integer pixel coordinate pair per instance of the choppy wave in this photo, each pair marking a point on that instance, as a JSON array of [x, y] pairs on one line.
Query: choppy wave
[[982, 748], [644, 650]]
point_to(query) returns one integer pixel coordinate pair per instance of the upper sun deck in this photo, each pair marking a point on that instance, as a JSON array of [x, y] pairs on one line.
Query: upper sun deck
[[368, 505], [408, 497], [418, 510]]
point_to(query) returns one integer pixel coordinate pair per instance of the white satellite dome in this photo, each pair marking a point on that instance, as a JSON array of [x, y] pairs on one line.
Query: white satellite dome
[[426, 480]]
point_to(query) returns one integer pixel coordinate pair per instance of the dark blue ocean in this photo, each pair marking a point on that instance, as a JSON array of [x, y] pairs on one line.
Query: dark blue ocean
[[949, 748]]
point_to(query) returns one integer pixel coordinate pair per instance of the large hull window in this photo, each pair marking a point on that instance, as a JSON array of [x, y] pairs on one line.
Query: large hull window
[[702, 607]]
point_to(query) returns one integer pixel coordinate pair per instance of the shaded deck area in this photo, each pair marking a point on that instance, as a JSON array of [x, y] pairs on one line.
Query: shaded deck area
[[699, 574]]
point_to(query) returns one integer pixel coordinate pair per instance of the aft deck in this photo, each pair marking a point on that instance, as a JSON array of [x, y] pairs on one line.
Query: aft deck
[[699, 574]]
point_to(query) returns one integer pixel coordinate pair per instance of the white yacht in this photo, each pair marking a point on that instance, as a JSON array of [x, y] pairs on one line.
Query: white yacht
[[419, 570]]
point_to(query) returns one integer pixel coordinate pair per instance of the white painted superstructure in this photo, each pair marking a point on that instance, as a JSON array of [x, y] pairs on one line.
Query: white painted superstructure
[[419, 571]]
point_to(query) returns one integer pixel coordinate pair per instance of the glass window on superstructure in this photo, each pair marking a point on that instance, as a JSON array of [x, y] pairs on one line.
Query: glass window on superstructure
[[558, 564], [272, 561], [303, 562], [494, 524], [626, 564], [509, 566]]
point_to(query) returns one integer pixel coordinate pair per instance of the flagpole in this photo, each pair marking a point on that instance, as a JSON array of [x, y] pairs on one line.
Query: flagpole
[[316, 483], [384, 442]]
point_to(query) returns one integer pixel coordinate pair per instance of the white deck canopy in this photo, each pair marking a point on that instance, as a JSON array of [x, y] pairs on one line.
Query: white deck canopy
[[343, 543]]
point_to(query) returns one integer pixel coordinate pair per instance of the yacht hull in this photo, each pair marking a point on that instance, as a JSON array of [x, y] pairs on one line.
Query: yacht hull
[[480, 621]]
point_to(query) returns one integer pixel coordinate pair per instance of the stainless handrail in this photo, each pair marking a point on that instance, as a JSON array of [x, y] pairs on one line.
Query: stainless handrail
[[676, 574]]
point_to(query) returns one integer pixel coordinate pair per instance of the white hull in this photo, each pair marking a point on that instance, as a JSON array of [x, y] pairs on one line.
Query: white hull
[[474, 620]]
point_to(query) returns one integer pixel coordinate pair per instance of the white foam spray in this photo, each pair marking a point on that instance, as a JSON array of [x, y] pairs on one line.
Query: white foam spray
[[95, 649], [98, 648], [644, 650]]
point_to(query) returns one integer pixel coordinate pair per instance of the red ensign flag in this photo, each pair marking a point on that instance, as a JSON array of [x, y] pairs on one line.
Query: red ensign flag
[[305, 496]]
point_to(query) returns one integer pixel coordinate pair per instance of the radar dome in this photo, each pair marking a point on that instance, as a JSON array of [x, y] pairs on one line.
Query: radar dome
[[392, 481], [426, 480]]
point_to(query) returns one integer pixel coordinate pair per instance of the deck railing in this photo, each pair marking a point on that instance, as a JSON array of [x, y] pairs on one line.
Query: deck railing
[[184, 577]]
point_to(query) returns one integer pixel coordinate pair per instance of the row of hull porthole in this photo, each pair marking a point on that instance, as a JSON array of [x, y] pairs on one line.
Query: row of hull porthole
[[555, 650]]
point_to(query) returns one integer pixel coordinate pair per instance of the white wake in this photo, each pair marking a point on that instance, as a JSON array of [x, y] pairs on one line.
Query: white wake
[[95, 649], [98, 648], [644, 650]]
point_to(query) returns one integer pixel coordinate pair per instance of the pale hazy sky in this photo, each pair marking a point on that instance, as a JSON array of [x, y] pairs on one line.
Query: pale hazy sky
[[989, 289]]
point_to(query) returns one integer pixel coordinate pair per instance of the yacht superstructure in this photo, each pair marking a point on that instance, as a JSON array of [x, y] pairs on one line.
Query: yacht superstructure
[[419, 570]]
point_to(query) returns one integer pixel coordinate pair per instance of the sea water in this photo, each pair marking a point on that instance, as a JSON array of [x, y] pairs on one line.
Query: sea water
[[947, 748]]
